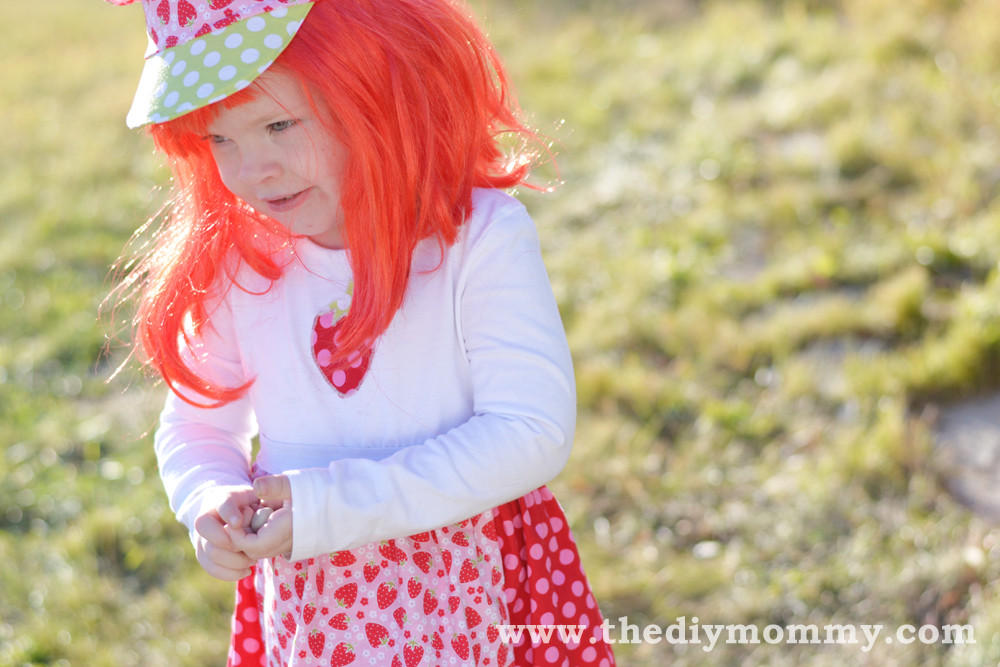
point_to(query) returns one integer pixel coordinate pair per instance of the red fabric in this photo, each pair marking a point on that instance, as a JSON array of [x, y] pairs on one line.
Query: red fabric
[[544, 583], [246, 646]]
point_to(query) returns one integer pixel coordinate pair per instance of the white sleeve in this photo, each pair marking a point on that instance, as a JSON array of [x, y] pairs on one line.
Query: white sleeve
[[201, 448], [518, 439]]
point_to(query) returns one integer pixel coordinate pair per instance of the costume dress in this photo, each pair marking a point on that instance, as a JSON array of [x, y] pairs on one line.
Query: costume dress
[[420, 520]]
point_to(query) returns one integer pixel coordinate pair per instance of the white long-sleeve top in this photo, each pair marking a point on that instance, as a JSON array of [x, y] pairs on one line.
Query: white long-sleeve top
[[469, 400]]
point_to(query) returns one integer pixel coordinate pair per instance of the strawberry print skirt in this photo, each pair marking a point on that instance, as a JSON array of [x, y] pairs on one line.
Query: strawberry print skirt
[[453, 596]]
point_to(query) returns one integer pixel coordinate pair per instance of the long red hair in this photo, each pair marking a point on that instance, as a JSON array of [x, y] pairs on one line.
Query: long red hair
[[417, 96]]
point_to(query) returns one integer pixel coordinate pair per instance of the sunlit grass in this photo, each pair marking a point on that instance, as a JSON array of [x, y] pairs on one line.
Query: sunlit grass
[[775, 249]]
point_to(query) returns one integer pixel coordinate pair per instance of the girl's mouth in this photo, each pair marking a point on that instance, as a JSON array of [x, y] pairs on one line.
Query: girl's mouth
[[285, 204]]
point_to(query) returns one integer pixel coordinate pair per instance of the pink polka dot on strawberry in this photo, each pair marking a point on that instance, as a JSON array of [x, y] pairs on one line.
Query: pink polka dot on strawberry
[[323, 358]]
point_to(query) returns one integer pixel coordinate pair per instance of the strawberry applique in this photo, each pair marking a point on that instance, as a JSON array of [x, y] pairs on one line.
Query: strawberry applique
[[326, 343], [413, 587], [472, 618], [343, 654], [371, 571], [489, 531], [228, 19], [340, 621], [186, 13], [430, 602], [392, 552], [163, 12], [317, 640], [424, 561], [320, 581], [386, 594], [469, 571], [342, 558], [412, 654], [346, 595], [377, 634], [309, 613], [461, 645]]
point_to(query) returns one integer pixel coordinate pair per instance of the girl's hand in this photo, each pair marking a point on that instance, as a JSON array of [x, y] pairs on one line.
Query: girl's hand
[[273, 490], [214, 548], [275, 537]]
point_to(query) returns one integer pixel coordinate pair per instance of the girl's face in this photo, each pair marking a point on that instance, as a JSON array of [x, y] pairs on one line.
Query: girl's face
[[273, 153]]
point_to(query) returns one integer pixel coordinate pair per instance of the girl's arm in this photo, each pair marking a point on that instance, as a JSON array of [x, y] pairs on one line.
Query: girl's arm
[[204, 458], [524, 413]]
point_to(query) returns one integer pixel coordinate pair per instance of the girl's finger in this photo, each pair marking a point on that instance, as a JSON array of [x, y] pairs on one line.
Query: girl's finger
[[225, 573], [212, 529], [274, 537], [273, 489], [222, 563], [233, 560], [233, 508]]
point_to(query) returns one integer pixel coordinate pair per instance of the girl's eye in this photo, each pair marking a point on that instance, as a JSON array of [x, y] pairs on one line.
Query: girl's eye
[[216, 138], [281, 125]]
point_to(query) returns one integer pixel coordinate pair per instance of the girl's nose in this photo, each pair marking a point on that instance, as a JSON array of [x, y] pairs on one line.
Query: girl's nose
[[257, 165]]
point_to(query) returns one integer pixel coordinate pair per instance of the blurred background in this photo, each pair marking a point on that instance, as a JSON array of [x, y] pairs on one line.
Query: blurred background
[[775, 246]]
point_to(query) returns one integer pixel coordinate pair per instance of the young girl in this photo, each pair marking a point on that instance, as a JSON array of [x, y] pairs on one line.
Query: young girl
[[341, 275]]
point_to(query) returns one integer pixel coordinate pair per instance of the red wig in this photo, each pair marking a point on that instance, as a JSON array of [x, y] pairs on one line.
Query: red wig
[[417, 96]]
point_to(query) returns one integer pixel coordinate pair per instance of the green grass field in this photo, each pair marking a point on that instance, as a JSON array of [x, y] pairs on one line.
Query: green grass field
[[775, 247]]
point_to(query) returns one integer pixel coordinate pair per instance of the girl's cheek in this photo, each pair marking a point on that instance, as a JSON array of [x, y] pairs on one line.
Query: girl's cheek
[[227, 173]]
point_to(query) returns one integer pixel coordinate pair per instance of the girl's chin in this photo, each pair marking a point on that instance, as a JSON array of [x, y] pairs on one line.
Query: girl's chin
[[330, 239]]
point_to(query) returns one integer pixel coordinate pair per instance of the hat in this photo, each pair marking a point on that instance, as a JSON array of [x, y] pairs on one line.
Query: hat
[[202, 51]]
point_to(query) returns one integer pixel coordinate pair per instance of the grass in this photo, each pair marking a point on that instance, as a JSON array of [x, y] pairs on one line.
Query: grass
[[775, 248]]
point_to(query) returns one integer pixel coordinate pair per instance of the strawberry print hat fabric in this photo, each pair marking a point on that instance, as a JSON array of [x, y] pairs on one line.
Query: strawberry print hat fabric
[[202, 51]]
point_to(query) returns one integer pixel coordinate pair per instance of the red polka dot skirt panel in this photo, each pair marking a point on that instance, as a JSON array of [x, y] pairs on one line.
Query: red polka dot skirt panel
[[545, 586], [246, 646], [444, 597]]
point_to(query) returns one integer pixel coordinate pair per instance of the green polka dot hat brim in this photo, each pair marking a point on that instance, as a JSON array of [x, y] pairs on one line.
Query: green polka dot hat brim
[[202, 51]]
